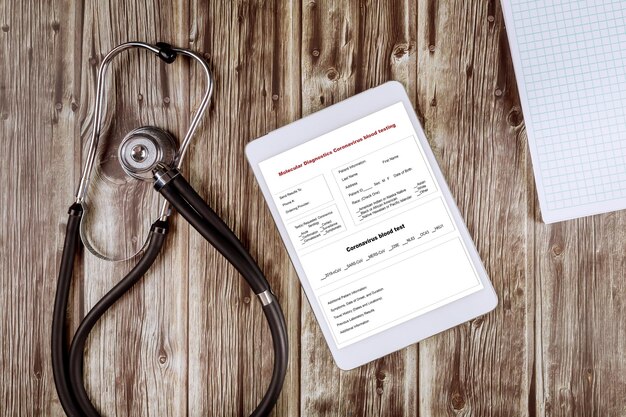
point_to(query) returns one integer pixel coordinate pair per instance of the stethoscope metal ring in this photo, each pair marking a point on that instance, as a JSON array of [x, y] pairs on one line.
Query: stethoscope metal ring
[[160, 151]]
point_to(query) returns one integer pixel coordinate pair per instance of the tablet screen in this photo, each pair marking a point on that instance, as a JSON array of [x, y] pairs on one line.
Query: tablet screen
[[370, 226]]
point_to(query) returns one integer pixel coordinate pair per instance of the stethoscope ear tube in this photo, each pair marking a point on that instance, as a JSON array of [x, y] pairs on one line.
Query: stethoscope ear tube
[[168, 54]]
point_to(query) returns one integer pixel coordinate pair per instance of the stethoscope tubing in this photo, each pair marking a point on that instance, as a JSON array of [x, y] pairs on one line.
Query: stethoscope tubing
[[60, 360], [179, 193], [156, 239], [67, 362], [192, 209]]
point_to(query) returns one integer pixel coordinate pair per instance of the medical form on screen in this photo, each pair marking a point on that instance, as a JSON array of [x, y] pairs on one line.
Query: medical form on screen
[[370, 225]]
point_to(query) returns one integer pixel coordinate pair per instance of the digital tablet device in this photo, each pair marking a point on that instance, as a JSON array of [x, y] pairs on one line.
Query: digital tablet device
[[378, 243]]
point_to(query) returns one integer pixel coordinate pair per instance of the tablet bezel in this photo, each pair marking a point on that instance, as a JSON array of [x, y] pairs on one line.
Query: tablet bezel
[[412, 330]]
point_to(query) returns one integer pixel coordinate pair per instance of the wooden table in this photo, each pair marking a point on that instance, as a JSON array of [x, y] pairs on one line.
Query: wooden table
[[191, 338]]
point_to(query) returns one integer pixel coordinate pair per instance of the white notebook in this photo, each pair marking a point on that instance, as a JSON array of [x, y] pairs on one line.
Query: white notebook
[[570, 64]]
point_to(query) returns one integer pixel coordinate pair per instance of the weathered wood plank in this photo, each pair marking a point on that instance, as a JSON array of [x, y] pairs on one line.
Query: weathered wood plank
[[579, 269], [254, 52], [37, 126], [348, 48], [468, 99], [137, 355]]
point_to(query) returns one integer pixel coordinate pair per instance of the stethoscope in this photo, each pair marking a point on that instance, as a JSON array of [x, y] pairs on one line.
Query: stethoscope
[[150, 153]]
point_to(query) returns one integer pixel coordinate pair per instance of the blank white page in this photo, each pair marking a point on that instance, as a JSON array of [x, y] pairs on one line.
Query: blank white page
[[570, 64]]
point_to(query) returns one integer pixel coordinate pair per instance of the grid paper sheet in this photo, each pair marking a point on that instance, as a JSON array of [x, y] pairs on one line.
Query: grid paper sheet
[[570, 64]]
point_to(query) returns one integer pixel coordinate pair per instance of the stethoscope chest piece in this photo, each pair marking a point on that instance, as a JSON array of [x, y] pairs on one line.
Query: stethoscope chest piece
[[140, 152], [143, 149]]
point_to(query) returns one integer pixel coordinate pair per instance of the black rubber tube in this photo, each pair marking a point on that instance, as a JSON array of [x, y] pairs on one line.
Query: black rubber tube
[[60, 368], [180, 184], [77, 350], [68, 372], [278, 329], [257, 282], [232, 250]]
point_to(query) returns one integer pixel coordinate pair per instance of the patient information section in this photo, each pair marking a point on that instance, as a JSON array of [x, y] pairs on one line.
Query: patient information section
[[370, 226]]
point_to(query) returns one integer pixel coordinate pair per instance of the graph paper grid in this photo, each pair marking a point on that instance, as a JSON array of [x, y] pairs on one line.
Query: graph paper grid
[[570, 63]]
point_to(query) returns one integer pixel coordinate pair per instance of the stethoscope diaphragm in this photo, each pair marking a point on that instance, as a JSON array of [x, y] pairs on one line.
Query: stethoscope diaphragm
[[143, 149]]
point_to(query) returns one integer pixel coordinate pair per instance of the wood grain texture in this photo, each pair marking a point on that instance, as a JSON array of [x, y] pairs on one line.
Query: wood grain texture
[[483, 159], [254, 52], [579, 267], [142, 340], [191, 339], [346, 49]]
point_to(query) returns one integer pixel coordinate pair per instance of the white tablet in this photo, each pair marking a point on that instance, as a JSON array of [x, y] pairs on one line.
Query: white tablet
[[371, 228]]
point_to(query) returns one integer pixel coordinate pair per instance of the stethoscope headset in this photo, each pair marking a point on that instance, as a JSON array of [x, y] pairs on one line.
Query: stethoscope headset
[[150, 153]]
